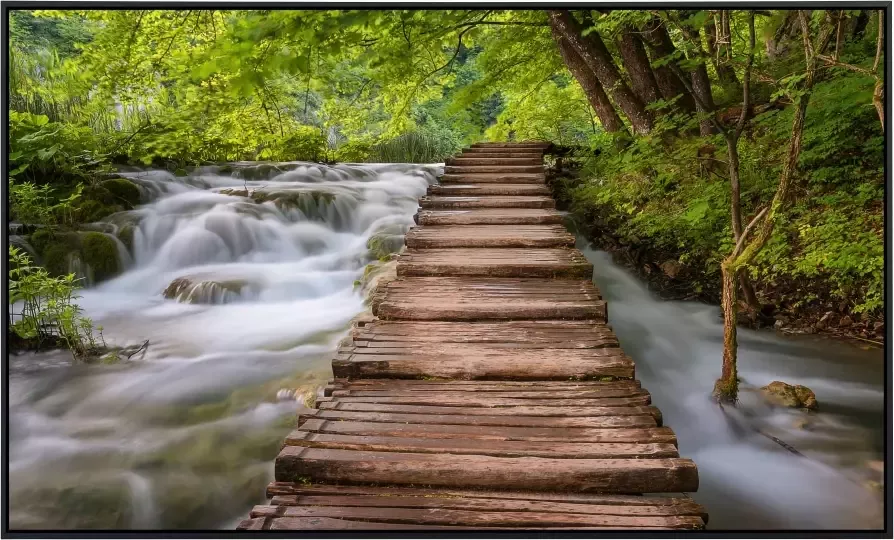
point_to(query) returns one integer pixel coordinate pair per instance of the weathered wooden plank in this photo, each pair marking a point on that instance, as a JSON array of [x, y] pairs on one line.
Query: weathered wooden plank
[[466, 159], [420, 429], [490, 216], [492, 201], [485, 420], [479, 518], [479, 386], [482, 447], [559, 334], [500, 169], [680, 507], [541, 145], [565, 408], [535, 473], [480, 190], [469, 362], [454, 299], [489, 236], [496, 262], [493, 178]]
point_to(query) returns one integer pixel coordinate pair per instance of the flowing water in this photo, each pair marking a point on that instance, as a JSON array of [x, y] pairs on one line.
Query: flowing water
[[185, 435], [746, 480]]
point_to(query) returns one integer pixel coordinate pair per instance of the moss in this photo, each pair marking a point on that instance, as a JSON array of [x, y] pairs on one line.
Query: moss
[[123, 190], [91, 211], [125, 234], [101, 253], [57, 249], [41, 239]]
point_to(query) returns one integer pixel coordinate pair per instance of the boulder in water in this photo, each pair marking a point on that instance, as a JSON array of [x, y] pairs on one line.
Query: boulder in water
[[191, 291], [788, 395]]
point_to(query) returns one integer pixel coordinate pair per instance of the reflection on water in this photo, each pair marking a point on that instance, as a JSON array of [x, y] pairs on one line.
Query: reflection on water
[[186, 436], [747, 480]]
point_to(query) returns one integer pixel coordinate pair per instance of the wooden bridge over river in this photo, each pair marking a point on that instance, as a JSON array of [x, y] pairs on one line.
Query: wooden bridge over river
[[489, 390]]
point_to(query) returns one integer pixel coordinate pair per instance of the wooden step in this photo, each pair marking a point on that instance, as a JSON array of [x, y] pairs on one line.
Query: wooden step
[[502, 169], [458, 190], [526, 144], [490, 216], [339, 507], [420, 427], [491, 160], [483, 151], [474, 299], [473, 361], [477, 471], [489, 236], [495, 262], [442, 202], [494, 178]]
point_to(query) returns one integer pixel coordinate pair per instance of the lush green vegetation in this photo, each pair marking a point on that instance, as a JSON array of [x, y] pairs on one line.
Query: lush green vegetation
[[650, 104]]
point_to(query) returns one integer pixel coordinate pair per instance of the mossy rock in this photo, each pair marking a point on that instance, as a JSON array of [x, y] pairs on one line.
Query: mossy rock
[[101, 254], [91, 211], [124, 191], [125, 234], [787, 395], [41, 239], [190, 291], [57, 249]]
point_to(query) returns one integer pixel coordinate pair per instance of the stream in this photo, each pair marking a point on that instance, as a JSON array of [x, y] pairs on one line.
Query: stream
[[185, 435]]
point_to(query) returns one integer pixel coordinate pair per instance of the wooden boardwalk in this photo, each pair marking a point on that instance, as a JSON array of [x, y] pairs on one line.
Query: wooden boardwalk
[[488, 390]]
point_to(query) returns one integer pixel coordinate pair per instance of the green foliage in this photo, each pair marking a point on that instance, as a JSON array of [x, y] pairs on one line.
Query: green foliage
[[414, 147], [42, 308]]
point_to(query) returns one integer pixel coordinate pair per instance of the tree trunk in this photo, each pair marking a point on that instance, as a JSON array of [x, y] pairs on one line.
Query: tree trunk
[[636, 62], [661, 47], [718, 51], [597, 57], [592, 88], [701, 84], [727, 386]]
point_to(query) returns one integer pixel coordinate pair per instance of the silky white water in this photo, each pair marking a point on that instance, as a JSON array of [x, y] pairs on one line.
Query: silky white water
[[185, 435], [746, 480]]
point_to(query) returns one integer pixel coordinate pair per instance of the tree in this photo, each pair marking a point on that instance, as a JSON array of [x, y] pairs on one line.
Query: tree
[[727, 386], [597, 57]]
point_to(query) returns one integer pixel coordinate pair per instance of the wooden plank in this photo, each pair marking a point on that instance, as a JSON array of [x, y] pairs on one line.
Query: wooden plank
[[277, 489], [490, 216], [453, 299], [646, 421], [559, 334], [469, 362], [478, 386], [480, 190], [494, 178], [489, 236], [496, 262], [541, 145], [466, 159], [534, 473], [500, 169], [441, 516], [493, 201], [680, 507], [558, 408], [482, 447], [494, 433]]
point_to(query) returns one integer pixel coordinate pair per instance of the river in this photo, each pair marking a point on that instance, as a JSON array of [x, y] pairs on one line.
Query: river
[[185, 435]]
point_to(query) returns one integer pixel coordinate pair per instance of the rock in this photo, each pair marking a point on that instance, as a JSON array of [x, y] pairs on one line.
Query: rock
[[864, 317], [787, 395], [845, 322], [123, 190], [189, 290], [802, 423], [876, 465], [778, 324], [100, 253], [825, 318], [878, 327], [671, 268]]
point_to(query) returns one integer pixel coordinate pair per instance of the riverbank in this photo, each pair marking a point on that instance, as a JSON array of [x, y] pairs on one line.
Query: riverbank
[[792, 305]]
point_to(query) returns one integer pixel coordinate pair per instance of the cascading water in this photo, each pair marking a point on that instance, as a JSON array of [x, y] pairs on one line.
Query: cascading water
[[242, 278], [746, 480]]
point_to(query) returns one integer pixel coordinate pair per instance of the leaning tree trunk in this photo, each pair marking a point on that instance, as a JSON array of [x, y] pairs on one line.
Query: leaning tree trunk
[[662, 48], [636, 61], [597, 57], [596, 95], [701, 84], [727, 386]]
